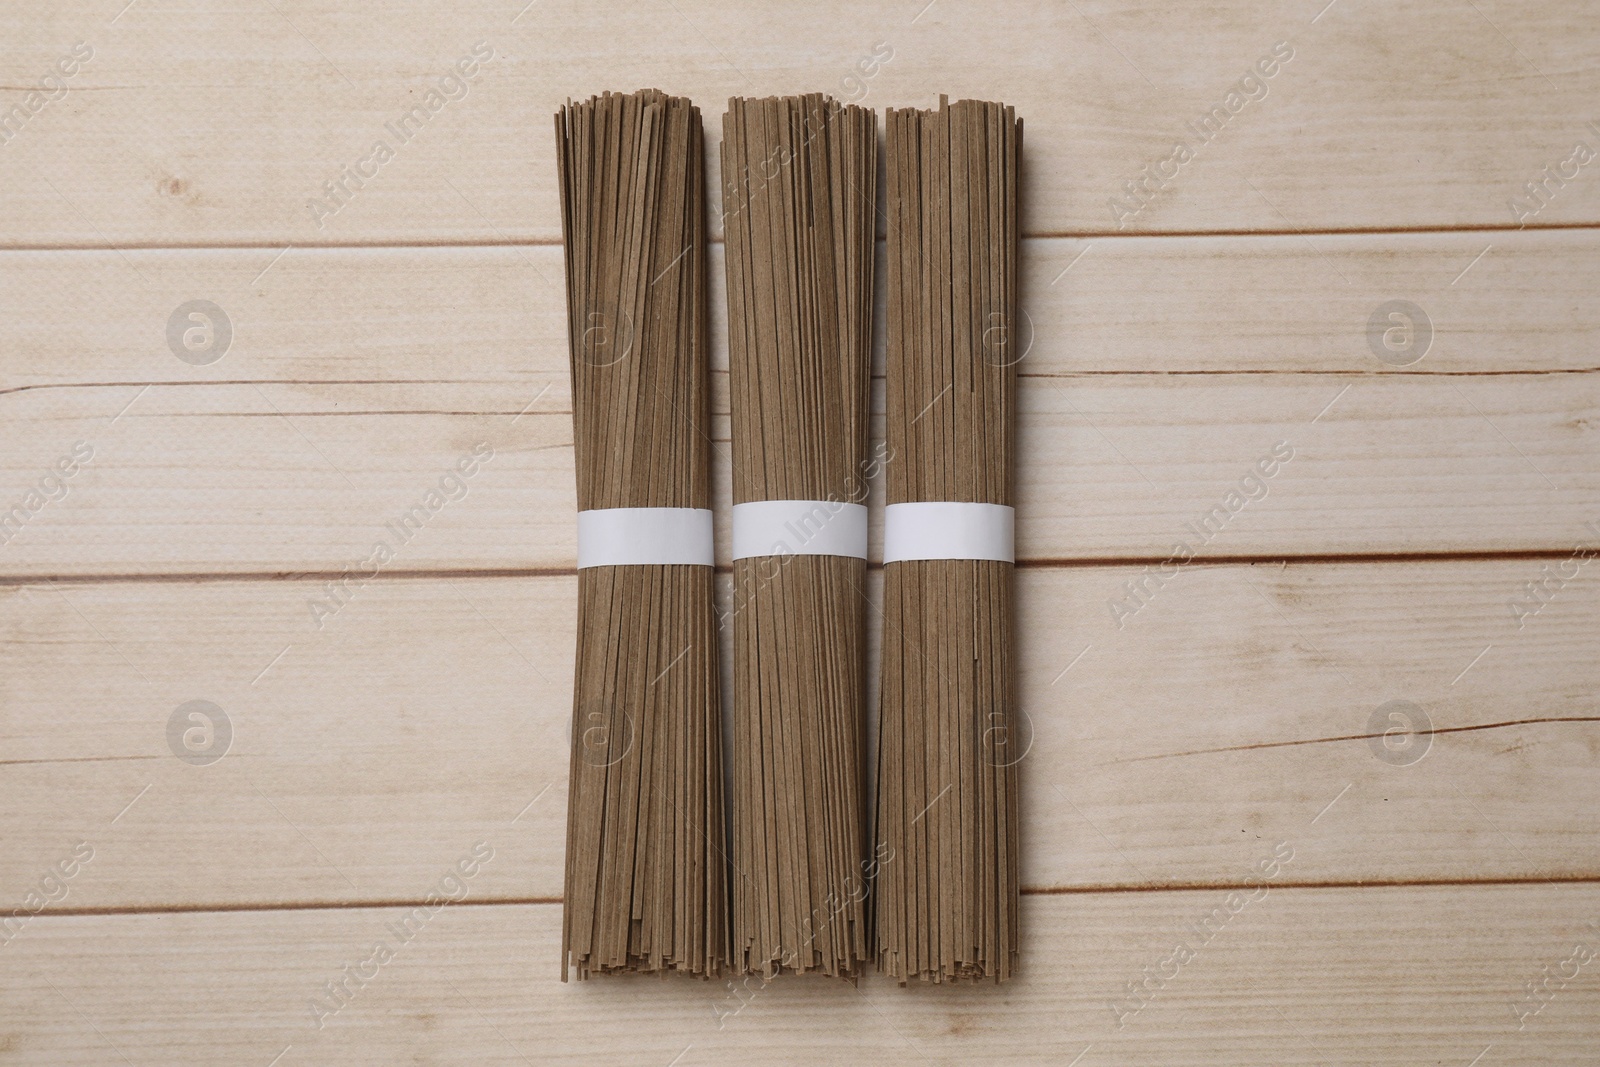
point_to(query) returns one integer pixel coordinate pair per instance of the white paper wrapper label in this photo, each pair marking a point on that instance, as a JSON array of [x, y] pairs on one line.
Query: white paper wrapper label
[[625, 537], [799, 528], [949, 530]]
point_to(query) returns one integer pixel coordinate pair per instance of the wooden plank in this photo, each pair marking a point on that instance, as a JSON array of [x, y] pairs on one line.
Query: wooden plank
[[355, 380], [293, 478], [1277, 981], [1235, 707], [334, 786], [498, 315], [257, 112]]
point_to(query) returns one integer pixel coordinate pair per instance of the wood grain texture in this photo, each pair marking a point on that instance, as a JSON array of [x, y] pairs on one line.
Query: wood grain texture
[[1174, 747], [444, 319], [1379, 976], [186, 129], [1232, 709], [1115, 468], [1158, 371]]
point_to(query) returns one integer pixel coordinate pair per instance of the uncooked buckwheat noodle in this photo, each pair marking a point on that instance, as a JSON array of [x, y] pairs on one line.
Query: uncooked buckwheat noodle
[[799, 178], [949, 738], [645, 868]]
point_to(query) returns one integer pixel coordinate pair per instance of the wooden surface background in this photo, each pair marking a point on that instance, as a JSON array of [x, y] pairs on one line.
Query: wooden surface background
[[1441, 899]]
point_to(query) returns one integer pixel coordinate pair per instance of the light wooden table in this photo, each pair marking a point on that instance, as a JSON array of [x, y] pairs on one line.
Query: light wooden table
[[1436, 858]]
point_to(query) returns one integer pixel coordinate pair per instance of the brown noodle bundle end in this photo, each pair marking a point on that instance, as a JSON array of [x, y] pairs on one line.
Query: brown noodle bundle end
[[645, 871], [799, 178], [949, 738]]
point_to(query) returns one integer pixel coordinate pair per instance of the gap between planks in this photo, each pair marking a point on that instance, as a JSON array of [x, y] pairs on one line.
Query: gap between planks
[[555, 242], [723, 372], [1049, 563], [1027, 891]]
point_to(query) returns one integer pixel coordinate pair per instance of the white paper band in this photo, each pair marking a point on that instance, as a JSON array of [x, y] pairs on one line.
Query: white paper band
[[624, 537], [799, 528], [949, 530]]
